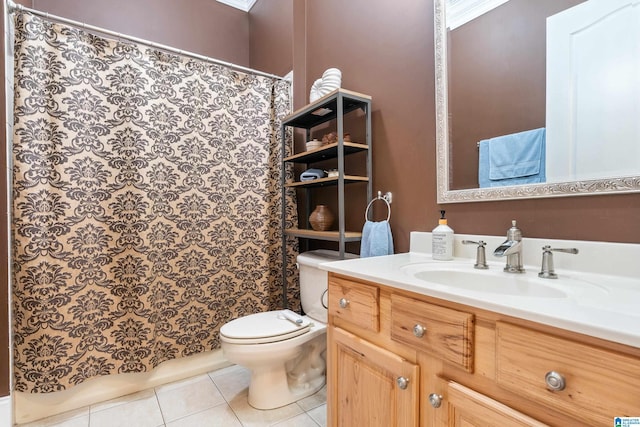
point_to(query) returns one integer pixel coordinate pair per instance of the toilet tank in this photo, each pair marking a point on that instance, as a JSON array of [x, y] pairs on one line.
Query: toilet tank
[[313, 281]]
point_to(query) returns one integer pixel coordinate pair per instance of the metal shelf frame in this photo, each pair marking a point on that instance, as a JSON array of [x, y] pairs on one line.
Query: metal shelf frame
[[333, 106]]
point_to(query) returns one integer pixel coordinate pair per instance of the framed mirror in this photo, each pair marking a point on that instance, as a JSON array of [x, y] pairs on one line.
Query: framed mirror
[[457, 146]]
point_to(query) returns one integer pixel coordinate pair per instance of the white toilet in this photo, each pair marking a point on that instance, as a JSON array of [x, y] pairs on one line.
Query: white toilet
[[285, 352]]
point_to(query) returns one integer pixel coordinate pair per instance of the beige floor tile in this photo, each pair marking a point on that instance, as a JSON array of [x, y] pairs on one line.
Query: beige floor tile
[[76, 418], [227, 370], [144, 394], [302, 420], [182, 398], [195, 402], [319, 415], [231, 381], [315, 400], [218, 416], [251, 417], [141, 413]]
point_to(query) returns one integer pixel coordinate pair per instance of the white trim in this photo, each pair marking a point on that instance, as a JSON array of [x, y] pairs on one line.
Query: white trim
[[6, 419], [460, 12], [244, 5]]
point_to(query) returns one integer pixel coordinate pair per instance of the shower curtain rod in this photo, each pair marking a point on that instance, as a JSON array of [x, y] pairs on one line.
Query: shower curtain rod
[[12, 7]]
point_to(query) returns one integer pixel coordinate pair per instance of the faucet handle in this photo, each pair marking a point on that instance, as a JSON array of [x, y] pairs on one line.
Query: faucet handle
[[547, 271], [481, 258]]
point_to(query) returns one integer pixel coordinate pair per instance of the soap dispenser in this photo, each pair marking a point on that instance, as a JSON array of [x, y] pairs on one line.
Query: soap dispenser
[[442, 240]]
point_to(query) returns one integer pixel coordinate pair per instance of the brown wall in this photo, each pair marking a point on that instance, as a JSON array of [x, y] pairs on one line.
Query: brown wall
[[205, 27], [384, 51], [497, 85], [387, 52], [271, 36]]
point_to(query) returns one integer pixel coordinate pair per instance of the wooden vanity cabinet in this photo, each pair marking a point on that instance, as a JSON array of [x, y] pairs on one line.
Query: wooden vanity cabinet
[[376, 384], [396, 358]]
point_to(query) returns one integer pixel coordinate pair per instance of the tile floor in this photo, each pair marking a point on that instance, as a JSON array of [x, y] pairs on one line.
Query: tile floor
[[217, 399]]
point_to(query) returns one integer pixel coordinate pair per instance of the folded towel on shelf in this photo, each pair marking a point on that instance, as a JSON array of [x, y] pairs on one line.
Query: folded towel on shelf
[[311, 174], [377, 239], [513, 159]]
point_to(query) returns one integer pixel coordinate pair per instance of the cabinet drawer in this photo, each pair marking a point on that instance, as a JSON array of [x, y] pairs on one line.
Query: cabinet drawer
[[356, 303], [599, 384], [441, 331], [470, 408]]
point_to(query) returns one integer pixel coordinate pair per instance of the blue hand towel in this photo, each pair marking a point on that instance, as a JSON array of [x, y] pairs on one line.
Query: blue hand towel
[[377, 239], [516, 155], [514, 159]]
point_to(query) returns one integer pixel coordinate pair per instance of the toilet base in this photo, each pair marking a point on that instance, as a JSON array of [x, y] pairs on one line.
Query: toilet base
[[285, 394], [276, 385]]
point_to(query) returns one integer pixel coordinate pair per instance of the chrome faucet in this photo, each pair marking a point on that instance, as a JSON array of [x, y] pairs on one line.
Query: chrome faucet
[[512, 249]]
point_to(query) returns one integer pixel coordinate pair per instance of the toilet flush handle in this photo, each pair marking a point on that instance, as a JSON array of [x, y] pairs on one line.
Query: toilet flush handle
[[343, 302]]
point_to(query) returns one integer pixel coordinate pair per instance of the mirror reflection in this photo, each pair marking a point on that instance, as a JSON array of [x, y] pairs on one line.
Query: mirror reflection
[[541, 92]]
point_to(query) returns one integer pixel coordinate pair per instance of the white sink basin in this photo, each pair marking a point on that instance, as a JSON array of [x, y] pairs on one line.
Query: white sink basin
[[494, 281]]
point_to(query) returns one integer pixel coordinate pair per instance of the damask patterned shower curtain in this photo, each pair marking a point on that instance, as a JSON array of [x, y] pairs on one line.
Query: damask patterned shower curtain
[[146, 204]]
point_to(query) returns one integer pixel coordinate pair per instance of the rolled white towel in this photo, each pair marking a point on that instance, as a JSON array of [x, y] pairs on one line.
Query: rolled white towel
[[292, 317]]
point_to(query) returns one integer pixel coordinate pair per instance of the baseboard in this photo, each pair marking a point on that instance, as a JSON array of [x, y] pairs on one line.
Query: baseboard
[[5, 412]]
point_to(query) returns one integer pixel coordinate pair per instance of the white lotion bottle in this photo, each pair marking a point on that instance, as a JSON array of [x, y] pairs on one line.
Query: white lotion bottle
[[442, 240]]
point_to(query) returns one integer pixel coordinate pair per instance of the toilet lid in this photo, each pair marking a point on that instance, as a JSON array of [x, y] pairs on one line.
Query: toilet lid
[[264, 327]]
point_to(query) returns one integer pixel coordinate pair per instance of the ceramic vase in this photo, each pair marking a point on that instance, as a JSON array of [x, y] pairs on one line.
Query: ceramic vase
[[321, 218]]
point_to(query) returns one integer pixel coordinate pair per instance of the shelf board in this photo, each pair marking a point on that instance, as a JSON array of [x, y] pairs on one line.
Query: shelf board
[[334, 236], [321, 182], [329, 151], [326, 108]]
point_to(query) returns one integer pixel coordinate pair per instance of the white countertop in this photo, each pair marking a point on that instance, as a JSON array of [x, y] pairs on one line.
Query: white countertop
[[612, 314]]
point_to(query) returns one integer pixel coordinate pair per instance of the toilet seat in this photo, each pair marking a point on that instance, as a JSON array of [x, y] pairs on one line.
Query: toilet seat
[[261, 328]]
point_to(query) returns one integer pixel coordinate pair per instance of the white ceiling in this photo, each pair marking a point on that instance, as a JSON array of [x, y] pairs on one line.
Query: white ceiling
[[244, 5], [458, 11], [463, 11]]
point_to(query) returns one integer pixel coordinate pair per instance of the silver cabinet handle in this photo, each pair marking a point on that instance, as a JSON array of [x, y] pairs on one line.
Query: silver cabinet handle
[[343, 302], [435, 400], [419, 330], [555, 381], [403, 382]]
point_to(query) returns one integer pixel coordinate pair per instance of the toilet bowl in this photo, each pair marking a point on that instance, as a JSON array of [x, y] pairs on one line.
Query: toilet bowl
[[284, 352]]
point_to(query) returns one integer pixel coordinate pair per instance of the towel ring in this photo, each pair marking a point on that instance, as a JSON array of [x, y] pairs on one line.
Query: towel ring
[[380, 197]]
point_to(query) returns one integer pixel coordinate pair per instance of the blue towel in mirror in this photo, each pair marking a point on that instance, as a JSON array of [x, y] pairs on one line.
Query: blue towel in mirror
[[513, 159], [377, 239]]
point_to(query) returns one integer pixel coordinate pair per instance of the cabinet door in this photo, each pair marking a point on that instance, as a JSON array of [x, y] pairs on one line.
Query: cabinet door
[[468, 408], [369, 386]]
